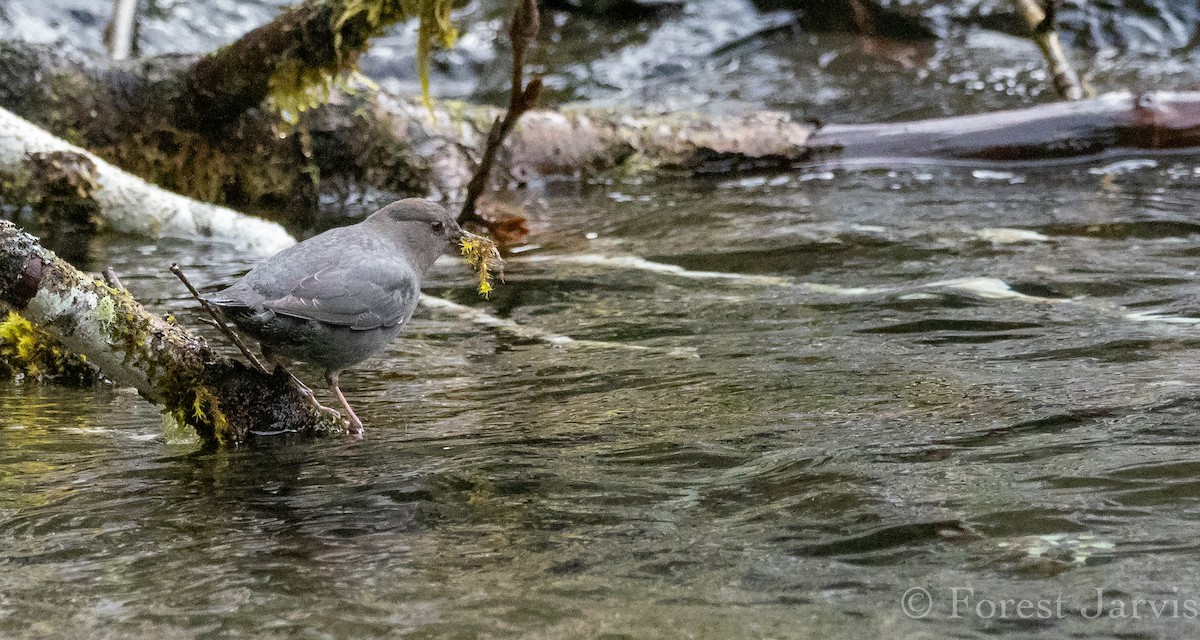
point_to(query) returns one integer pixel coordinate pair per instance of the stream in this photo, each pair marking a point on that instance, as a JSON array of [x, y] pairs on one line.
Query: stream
[[808, 404]]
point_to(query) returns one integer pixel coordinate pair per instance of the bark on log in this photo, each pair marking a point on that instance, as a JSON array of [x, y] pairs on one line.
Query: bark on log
[[120, 201], [225, 401], [582, 142]]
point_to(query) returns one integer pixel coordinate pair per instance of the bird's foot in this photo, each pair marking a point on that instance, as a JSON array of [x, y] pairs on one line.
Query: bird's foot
[[312, 399], [327, 410], [356, 425], [303, 388], [310, 395]]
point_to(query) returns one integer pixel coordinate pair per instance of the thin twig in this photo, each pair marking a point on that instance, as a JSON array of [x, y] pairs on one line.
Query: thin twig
[[233, 337], [523, 32], [1041, 23], [122, 27]]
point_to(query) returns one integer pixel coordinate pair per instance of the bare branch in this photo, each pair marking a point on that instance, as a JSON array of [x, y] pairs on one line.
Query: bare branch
[[220, 322], [522, 97], [1041, 23]]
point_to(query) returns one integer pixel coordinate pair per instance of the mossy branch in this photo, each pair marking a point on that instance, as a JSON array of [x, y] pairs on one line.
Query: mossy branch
[[30, 353], [74, 187], [298, 59]]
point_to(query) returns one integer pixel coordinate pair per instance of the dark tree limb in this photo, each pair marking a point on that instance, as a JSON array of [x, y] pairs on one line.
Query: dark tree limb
[[306, 47]]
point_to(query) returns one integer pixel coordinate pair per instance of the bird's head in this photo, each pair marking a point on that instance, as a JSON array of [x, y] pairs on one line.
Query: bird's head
[[421, 228]]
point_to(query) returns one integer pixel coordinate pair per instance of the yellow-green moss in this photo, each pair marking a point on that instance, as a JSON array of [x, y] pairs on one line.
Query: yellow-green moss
[[33, 354], [123, 321], [185, 396], [188, 401], [106, 313], [191, 403], [296, 87], [484, 257]]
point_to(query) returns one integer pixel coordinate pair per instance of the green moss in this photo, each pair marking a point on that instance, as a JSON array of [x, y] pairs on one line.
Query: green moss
[[295, 89], [33, 354], [106, 313], [484, 257], [435, 23], [192, 165], [15, 188], [123, 321], [186, 396], [297, 85], [190, 402]]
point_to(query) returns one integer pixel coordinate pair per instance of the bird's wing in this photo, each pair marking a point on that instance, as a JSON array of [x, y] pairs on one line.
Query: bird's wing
[[359, 298]]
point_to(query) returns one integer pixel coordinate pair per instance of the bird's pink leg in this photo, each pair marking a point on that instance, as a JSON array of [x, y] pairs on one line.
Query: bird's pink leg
[[305, 390], [356, 425]]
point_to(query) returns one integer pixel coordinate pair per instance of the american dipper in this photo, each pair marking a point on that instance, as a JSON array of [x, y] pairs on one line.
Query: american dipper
[[338, 297]]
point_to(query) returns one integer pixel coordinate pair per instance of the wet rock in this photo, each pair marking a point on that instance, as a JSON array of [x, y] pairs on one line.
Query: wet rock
[[616, 9], [857, 16]]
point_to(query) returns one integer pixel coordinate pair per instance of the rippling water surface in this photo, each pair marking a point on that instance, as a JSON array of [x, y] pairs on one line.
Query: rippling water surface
[[820, 396], [931, 378]]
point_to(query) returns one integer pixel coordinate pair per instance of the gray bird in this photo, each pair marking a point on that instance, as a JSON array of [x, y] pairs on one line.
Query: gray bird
[[338, 297]]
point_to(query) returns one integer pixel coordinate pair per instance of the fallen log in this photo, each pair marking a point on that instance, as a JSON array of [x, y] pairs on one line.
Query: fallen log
[[1112, 125], [366, 139], [370, 140], [225, 402], [114, 200]]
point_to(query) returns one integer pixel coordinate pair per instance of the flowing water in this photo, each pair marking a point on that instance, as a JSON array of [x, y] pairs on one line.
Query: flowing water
[[809, 404], [932, 378]]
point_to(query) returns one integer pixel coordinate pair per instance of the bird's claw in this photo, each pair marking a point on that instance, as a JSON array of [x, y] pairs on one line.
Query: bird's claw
[[353, 426], [330, 411]]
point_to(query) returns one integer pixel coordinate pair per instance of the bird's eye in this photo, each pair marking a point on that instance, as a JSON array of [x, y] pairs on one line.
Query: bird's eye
[[437, 227]]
